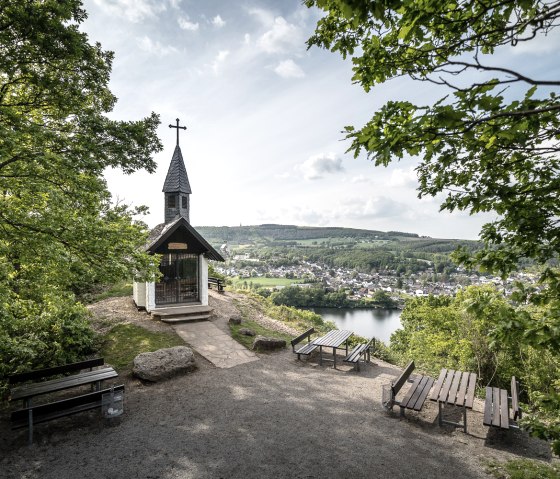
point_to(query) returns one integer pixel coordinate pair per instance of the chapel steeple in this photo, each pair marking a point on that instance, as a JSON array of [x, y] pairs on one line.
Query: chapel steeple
[[176, 186]]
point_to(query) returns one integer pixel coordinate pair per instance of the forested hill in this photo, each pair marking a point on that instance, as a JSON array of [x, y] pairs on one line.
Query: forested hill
[[302, 236]]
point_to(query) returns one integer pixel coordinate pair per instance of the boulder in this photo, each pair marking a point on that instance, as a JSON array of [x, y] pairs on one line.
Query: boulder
[[263, 342], [164, 363], [246, 332], [235, 320]]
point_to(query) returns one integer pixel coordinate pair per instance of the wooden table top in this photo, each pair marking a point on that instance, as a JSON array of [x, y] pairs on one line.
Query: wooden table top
[[333, 339], [455, 387]]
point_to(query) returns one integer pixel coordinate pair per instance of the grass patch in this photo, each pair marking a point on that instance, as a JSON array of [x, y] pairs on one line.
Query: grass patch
[[247, 341], [125, 341], [523, 469]]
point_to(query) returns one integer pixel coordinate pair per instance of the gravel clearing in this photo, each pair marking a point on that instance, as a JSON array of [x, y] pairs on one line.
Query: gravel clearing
[[272, 418]]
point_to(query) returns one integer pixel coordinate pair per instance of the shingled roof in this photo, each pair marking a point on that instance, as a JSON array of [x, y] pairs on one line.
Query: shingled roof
[[177, 180]]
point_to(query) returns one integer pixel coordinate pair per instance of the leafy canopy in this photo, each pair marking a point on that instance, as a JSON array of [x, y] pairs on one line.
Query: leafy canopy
[[59, 229]]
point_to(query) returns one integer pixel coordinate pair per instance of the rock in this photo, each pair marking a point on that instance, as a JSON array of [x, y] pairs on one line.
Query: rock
[[246, 332], [164, 363], [235, 320], [268, 343]]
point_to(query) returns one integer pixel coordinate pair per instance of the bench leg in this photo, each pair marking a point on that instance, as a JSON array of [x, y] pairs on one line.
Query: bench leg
[[440, 418], [465, 419], [30, 427], [402, 411]]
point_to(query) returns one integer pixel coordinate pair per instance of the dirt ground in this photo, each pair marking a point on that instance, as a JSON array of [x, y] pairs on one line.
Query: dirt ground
[[272, 418]]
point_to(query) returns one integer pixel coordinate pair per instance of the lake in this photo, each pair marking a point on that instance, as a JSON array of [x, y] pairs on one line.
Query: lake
[[380, 323]]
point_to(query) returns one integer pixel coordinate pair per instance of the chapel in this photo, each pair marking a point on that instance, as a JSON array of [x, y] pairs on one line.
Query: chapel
[[183, 285]]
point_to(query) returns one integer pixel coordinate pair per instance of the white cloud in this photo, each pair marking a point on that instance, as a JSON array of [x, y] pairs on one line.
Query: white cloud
[[247, 39], [218, 22], [133, 10], [317, 166], [219, 60], [156, 48], [289, 69], [280, 37], [405, 178], [186, 24], [360, 179]]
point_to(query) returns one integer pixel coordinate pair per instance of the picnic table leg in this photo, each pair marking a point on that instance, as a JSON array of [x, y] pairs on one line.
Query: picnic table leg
[[465, 419], [440, 418], [30, 427], [334, 356], [320, 355]]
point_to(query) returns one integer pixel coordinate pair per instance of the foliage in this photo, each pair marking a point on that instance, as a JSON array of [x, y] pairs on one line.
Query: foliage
[[125, 341], [60, 231], [490, 144], [35, 335], [523, 469], [309, 297]]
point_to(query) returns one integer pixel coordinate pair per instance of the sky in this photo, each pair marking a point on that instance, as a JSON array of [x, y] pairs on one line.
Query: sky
[[264, 117]]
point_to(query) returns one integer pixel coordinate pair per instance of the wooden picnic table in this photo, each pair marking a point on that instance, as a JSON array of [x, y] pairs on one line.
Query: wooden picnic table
[[455, 388], [29, 391], [333, 339]]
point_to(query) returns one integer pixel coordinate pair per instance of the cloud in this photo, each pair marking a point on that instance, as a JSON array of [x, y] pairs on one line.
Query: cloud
[[289, 69], [186, 24], [280, 35], [360, 179], [156, 48], [247, 39], [317, 166], [403, 178], [219, 60], [132, 10], [218, 22]]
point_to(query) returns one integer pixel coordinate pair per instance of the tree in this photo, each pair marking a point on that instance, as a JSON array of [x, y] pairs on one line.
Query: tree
[[59, 228], [491, 143]]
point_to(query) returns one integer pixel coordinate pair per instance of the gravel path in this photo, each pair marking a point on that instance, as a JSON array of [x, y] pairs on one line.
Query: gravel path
[[272, 418]]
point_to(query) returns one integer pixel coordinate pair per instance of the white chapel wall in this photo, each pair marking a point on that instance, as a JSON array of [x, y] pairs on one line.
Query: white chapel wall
[[203, 268], [139, 294]]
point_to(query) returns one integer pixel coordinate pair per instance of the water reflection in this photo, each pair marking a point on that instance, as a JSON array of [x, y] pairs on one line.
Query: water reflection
[[380, 323]]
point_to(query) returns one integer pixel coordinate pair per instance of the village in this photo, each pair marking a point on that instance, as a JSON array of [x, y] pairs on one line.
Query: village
[[361, 285]]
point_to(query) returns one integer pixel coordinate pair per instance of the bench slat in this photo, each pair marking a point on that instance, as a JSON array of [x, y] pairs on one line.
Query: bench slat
[[451, 399], [424, 394], [487, 421], [504, 412], [355, 354], [515, 398], [470, 391], [54, 371], [495, 407], [301, 337], [62, 383], [434, 395], [462, 393], [446, 385], [407, 398], [307, 349]]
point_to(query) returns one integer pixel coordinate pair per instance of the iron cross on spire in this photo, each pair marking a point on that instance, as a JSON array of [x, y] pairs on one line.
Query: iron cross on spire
[[178, 128]]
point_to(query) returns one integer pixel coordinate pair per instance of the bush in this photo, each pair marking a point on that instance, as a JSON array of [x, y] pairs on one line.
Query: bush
[[38, 335]]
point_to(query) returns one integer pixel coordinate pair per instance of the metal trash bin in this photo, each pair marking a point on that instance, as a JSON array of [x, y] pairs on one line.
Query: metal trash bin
[[387, 398], [112, 403]]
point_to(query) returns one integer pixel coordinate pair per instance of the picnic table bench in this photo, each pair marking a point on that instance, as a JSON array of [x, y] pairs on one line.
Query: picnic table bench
[[307, 348], [34, 413], [356, 354], [496, 406], [416, 395], [218, 282]]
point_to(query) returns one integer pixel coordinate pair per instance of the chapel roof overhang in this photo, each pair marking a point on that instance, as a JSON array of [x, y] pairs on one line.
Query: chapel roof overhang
[[162, 232], [177, 180]]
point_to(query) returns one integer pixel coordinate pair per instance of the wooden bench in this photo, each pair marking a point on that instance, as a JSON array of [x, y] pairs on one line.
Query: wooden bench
[[306, 349], [416, 395], [28, 417], [497, 406], [356, 354], [218, 282]]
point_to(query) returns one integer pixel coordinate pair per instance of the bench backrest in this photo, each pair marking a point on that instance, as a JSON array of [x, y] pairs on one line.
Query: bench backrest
[[45, 373], [61, 405], [301, 337], [515, 398], [398, 384]]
